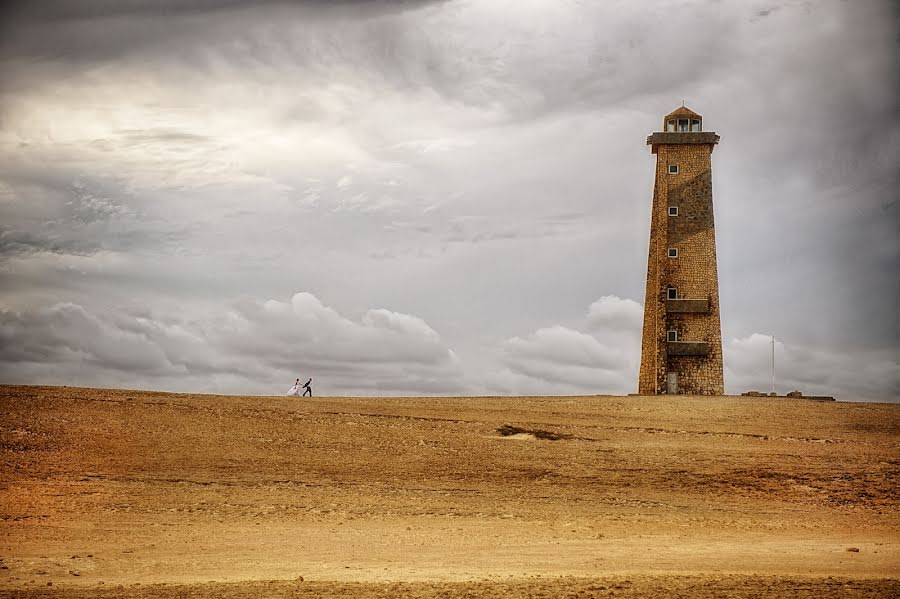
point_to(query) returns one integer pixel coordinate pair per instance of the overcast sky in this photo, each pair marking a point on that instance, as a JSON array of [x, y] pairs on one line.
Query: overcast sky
[[437, 197]]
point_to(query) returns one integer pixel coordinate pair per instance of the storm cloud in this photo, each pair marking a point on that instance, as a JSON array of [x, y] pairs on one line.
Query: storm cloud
[[430, 197]]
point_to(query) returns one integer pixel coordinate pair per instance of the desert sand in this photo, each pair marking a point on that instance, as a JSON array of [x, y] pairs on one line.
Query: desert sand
[[131, 493]]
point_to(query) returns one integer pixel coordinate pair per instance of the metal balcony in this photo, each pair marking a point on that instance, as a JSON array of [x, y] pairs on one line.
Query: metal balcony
[[681, 137], [687, 348], [695, 306]]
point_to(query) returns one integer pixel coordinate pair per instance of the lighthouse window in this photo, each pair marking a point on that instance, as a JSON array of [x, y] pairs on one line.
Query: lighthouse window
[[670, 125], [683, 125], [672, 293], [695, 124], [673, 169], [672, 335], [673, 252], [673, 210]]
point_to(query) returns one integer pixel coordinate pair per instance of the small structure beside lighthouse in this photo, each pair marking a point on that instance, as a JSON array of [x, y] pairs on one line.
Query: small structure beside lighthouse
[[681, 349]]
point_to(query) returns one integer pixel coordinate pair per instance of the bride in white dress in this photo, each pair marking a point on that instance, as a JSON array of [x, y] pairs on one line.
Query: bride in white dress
[[295, 390]]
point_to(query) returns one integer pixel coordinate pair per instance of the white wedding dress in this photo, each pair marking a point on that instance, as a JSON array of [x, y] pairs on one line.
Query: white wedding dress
[[295, 390]]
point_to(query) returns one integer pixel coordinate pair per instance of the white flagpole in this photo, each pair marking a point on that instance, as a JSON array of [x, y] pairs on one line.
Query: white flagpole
[[773, 364]]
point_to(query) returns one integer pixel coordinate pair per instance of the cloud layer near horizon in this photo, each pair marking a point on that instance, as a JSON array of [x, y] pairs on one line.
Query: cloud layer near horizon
[[249, 342], [460, 164], [254, 345]]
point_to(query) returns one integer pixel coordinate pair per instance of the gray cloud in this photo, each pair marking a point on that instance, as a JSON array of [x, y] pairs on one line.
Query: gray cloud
[[872, 375], [78, 218], [52, 10], [263, 344], [98, 31]]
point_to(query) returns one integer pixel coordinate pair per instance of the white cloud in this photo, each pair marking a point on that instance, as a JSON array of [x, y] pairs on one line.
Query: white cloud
[[260, 344], [610, 313], [605, 355], [847, 375], [560, 359], [399, 323], [560, 345]]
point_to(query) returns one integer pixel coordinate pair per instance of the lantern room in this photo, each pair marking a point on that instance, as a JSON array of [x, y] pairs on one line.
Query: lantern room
[[682, 120]]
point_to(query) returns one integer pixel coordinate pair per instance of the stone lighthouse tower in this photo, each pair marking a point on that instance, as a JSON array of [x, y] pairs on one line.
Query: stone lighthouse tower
[[681, 349]]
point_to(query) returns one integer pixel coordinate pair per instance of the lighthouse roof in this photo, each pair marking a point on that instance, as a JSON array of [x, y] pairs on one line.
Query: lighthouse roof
[[683, 111]]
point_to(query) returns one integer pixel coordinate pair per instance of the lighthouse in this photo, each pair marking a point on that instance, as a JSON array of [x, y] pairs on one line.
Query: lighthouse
[[681, 347]]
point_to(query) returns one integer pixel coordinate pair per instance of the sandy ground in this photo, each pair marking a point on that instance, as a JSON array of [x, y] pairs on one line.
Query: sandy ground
[[129, 493]]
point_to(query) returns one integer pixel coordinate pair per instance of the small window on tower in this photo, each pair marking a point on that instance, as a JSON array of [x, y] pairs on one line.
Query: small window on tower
[[673, 210], [695, 124], [672, 335], [673, 169], [672, 293], [683, 124], [673, 252], [670, 125]]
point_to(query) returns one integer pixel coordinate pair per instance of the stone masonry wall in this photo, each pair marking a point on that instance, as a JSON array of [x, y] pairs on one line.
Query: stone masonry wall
[[693, 273], [653, 348]]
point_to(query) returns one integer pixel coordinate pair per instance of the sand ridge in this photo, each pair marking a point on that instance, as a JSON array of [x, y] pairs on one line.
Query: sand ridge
[[496, 496]]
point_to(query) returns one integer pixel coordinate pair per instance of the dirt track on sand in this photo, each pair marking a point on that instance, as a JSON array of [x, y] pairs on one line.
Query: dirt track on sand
[[111, 492]]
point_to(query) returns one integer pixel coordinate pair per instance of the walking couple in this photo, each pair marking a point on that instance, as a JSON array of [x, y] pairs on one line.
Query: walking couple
[[295, 390]]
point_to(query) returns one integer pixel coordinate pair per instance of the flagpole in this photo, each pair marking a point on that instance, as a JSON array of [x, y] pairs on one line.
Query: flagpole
[[773, 364]]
